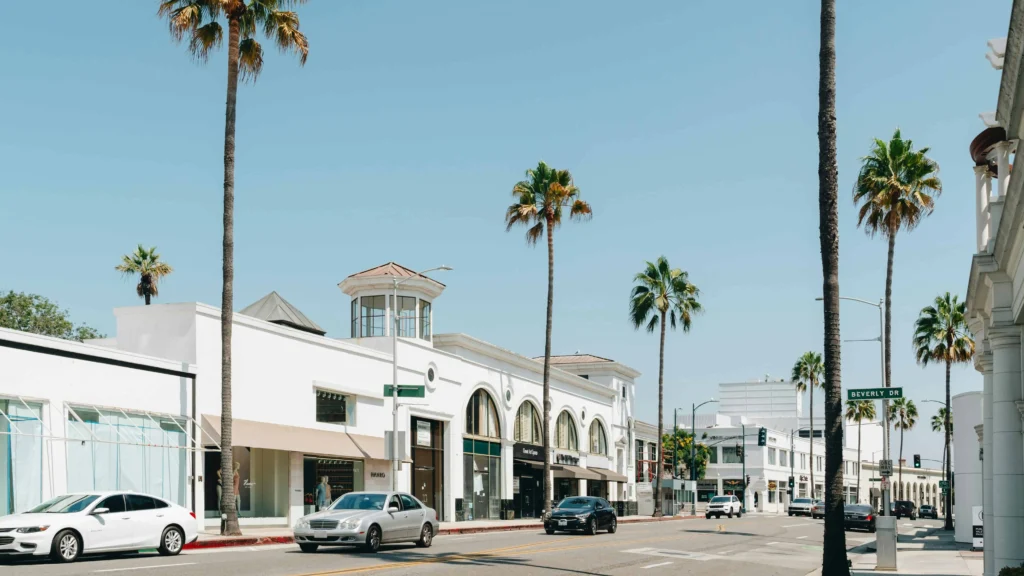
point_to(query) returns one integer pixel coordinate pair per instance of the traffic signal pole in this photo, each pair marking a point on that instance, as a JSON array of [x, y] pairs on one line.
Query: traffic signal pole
[[743, 460]]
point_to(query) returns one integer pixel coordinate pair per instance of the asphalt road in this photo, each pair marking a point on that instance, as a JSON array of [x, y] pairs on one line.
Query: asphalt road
[[753, 545]]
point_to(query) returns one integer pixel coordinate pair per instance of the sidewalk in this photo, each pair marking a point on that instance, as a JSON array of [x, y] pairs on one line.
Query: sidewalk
[[930, 552], [256, 536]]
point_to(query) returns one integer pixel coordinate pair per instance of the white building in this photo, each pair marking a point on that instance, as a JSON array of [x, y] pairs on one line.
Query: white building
[[967, 477], [307, 406], [995, 304]]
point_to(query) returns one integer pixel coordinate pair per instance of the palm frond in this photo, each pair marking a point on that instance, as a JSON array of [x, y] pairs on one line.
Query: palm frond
[[204, 39], [283, 27], [661, 289], [250, 60]]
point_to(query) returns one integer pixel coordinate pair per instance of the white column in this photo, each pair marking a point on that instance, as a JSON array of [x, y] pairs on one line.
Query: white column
[[1007, 449], [296, 503], [985, 361], [983, 193], [1002, 152]]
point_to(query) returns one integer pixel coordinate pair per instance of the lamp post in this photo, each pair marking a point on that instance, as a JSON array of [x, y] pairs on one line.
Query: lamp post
[[395, 462], [885, 403], [947, 464], [693, 452]]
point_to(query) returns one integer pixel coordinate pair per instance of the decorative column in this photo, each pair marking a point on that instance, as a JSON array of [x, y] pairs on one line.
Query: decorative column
[[1007, 449], [1002, 152], [985, 362], [983, 193]]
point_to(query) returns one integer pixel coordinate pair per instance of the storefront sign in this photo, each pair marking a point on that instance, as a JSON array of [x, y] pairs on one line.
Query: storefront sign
[[707, 484], [567, 459], [528, 452], [772, 485], [803, 478], [377, 474], [978, 525], [423, 433], [732, 484]]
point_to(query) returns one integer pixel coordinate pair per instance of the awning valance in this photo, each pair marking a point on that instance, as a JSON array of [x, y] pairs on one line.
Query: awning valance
[[608, 475], [566, 471], [876, 493], [297, 439]]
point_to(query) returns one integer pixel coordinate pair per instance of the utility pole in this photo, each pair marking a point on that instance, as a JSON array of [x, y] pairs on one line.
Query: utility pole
[[743, 461]]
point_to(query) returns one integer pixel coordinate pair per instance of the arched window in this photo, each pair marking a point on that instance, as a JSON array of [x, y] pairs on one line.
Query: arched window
[[482, 415], [566, 436], [598, 441], [528, 429]]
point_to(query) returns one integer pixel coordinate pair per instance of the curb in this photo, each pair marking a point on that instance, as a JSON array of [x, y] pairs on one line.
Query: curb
[[264, 540]]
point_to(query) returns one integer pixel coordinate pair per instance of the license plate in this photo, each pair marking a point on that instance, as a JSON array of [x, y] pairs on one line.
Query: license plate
[[319, 534], [563, 522]]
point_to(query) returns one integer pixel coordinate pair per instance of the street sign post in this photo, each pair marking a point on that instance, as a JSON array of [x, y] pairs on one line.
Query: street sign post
[[406, 391], [885, 467], [943, 484], [874, 393]]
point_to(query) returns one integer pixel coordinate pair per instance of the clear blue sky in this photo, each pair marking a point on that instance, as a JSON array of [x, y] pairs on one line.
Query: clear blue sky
[[689, 126]]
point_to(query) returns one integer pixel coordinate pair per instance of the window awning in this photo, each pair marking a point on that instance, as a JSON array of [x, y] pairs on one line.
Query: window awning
[[608, 475], [297, 439], [876, 493], [566, 471]]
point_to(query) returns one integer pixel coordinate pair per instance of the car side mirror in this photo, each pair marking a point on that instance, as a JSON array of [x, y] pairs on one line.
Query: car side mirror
[[100, 510], [392, 509]]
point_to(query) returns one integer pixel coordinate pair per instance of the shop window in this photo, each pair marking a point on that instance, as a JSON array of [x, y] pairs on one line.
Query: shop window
[[771, 456], [528, 428], [424, 319], [481, 475], [482, 415], [21, 456], [567, 438], [598, 440], [730, 455], [713, 457], [331, 407], [771, 496]]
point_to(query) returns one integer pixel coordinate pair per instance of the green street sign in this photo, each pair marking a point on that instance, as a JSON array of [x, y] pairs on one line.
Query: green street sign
[[943, 484], [874, 479], [406, 391], [874, 393]]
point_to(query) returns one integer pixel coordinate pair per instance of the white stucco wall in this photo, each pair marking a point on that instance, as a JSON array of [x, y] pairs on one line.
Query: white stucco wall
[[966, 410]]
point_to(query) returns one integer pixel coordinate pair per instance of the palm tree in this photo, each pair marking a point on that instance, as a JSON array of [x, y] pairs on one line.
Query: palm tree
[[662, 296], [938, 420], [941, 335], [859, 411], [540, 201], [903, 415], [147, 264], [807, 375], [198, 21]]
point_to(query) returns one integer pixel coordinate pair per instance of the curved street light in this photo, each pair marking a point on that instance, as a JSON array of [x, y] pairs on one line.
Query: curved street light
[[693, 452]]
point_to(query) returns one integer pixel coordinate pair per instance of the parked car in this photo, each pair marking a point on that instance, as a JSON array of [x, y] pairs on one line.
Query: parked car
[[928, 511], [859, 516], [368, 519], [801, 507], [724, 506], [582, 513], [818, 509], [98, 522], [905, 508]]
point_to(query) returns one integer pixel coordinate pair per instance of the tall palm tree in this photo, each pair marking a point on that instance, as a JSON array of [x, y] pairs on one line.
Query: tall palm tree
[[198, 20], [903, 415], [941, 335], [147, 264], [539, 203], [808, 372], [662, 296], [859, 411], [938, 424], [833, 559]]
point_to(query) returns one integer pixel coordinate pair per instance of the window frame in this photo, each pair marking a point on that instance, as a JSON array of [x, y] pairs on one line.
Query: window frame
[[602, 438], [571, 433], [345, 400], [536, 427], [490, 412], [424, 319]]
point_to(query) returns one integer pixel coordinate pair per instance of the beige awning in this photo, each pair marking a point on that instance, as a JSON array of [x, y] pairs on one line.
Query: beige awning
[[296, 439], [566, 471], [608, 475]]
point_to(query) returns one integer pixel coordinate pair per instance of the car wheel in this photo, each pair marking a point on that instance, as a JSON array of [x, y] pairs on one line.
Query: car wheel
[[790, 514], [549, 531], [871, 529], [708, 516], [592, 526], [373, 539], [739, 514], [426, 537], [66, 547], [730, 514], [171, 541], [308, 547], [613, 526]]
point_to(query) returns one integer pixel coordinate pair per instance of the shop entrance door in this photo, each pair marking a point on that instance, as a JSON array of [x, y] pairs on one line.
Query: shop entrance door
[[428, 463]]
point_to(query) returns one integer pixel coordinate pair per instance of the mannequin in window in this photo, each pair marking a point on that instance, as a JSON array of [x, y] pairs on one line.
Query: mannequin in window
[[236, 481], [322, 491]]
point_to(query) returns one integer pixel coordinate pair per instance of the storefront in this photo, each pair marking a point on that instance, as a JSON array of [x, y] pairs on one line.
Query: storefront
[[527, 480], [568, 473], [21, 455], [324, 480], [428, 463], [733, 487], [481, 459], [601, 488], [706, 490]]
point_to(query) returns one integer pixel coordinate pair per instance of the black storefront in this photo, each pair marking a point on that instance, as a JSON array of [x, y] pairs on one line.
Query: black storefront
[[528, 480]]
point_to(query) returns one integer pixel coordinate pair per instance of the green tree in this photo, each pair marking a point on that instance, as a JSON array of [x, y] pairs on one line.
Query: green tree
[[147, 265], [903, 415], [678, 445], [662, 296], [38, 315], [941, 335], [199, 22], [808, 372], [859, 411], [540, 200], [938, 421]]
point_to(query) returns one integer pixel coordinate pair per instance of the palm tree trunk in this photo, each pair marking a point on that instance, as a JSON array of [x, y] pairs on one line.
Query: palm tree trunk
[[548, 492], [812, 439], [661, 419], [833, 561], [858, 460], [147, 298], [901, 463], [948, 498], [888, 320], [229, 525]]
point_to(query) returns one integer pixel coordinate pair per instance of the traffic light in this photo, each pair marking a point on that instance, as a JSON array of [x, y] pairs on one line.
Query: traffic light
[[762, 437], [739, 451], [917, 460], [792, 482]]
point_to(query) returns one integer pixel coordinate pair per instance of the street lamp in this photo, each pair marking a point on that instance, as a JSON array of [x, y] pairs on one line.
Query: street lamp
[[885, 403], [395, 463], [693, 452]]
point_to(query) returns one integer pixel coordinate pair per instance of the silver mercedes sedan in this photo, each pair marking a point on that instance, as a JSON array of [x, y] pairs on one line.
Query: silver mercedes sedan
[[368, 519]]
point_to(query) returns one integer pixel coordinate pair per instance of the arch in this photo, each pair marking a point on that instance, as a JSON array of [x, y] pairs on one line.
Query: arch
[[598, 438], [528, 427], [567, 436], [482, 415]]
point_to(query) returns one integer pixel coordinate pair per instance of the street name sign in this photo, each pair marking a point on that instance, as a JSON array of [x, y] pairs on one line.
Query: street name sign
[[874, 393], [405, 391], [885, 467], [943, 484]]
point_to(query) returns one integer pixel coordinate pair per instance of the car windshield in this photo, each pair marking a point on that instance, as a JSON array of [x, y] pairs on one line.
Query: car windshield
[[720, 499], [802, 501], [353, 501], [66, 504], [576, 503]]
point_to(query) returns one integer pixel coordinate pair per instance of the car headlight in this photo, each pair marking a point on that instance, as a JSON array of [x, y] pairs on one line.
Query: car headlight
[[350, 523], [583, 516], [302, 523], [32, 529]]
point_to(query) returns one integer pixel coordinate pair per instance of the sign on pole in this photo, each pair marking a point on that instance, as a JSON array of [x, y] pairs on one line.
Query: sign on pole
[[943, 484], [885, 467], [406, 391], [978, 525], [874, 393]]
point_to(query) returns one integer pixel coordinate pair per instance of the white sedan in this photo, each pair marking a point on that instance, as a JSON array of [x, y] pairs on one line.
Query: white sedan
[[98, 522]]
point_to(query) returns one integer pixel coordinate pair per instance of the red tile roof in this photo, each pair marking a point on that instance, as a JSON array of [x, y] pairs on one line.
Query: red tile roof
[[391, 269]]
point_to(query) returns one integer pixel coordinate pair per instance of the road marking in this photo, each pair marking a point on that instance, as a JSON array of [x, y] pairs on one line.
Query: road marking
[[802, 524], [143, 567], [656, 565], [771, 543], [801, 537]]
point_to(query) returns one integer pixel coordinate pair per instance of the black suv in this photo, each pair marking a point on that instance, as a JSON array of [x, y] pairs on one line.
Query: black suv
[[905, 508]]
